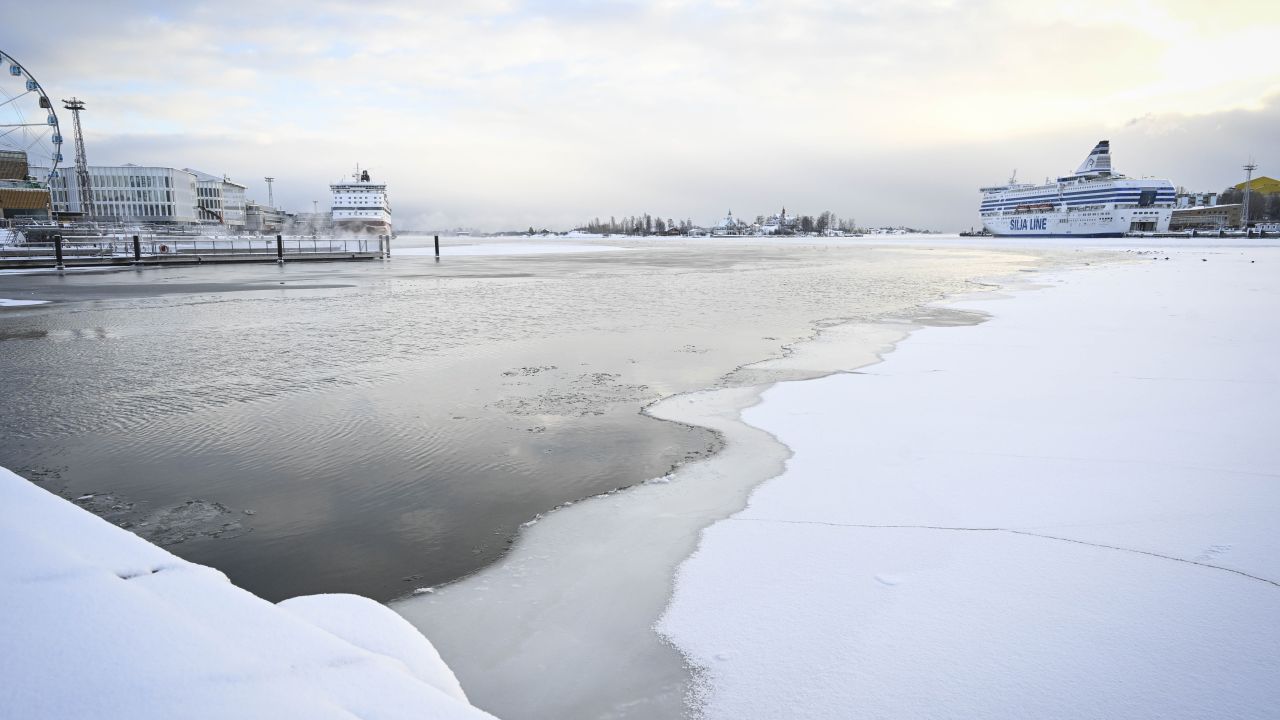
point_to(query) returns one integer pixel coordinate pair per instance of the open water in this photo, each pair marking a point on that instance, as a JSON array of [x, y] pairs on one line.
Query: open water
[[383, 426]]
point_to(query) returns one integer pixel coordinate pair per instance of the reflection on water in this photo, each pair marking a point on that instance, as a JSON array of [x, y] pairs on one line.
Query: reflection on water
[[377, 427]]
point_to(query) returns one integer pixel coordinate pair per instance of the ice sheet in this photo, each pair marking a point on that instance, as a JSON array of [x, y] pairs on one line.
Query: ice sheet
[[1064, 512]]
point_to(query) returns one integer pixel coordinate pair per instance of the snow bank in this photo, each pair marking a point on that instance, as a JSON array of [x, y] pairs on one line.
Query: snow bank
[[1067, 511], [99, 623]]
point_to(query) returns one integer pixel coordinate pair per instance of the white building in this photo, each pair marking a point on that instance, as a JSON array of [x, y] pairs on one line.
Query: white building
[[219, 200], [360, 205], [1186, 199], [729, 225], [128, 193]]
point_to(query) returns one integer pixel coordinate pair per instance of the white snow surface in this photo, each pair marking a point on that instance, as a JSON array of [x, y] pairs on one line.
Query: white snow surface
[[4, 302], [530, 248], [98, 623], [1067, 511]]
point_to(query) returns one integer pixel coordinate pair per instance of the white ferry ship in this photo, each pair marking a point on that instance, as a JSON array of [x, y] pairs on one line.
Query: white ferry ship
[[1092, 202], [361, 205]]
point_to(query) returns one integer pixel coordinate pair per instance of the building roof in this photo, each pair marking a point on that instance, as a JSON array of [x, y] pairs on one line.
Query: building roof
[[206, 177], [1261, 184]]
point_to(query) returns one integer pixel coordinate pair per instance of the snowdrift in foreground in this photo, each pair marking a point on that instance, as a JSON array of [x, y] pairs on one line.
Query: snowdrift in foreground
[[1065, 512], [99, 623]]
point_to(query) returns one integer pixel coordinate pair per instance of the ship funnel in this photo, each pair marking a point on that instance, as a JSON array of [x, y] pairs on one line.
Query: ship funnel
[[1098, 162]]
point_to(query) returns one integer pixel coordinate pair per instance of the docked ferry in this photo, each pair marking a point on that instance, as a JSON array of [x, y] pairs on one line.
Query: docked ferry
[[1092, 202], [360, 205]]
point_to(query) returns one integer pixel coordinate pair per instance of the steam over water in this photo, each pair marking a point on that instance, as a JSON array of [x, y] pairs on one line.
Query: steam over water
[[383, 426]]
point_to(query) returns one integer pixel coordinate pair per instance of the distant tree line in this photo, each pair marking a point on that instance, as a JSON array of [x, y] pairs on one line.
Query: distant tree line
[[1263, 207], [649, 225], [645, 224]]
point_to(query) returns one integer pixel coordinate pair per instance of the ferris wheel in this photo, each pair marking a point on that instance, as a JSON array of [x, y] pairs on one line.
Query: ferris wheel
[[28, 123]]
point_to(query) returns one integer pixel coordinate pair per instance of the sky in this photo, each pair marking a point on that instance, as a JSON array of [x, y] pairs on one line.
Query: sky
[[500, 114]]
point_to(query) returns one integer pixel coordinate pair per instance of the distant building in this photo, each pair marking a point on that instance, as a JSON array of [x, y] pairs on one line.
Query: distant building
[[127, 193], [1262, 185], [219, 200], [263, 219], [1190, 200], [1212, 217], [19, 195], [729, 226], [780, 223], [312, 223]]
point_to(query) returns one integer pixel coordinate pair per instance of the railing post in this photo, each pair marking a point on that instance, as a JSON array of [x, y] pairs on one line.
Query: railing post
[[137, 249], [437, 237], [57, 252], [279, 249]]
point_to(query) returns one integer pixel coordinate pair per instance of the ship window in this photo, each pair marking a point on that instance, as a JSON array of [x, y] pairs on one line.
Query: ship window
[[1147, 198]]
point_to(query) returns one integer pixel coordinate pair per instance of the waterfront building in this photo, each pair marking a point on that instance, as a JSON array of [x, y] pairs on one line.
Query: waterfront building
[[729, 225], [1209, 217], [20, 196], [263, 219], [218, 200], [127, 193], [779, 223], [309, 223], [1262, 185]]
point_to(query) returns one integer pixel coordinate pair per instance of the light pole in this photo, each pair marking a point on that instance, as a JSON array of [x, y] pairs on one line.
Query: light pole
[[271, 198], [1248, 177]]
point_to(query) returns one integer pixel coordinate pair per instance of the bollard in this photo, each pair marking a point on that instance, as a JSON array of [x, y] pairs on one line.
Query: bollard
[[279, 250], [437, 248], [137, 249], [57, 252]]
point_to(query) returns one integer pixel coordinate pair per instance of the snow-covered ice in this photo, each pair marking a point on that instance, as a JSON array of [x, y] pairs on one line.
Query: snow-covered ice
[[98, 623], [20, 303], [521, 248], [1067, 511]]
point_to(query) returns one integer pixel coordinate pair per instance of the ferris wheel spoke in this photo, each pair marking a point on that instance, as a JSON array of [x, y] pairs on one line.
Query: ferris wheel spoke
[[15, 97], [37, 139], [22, 125]]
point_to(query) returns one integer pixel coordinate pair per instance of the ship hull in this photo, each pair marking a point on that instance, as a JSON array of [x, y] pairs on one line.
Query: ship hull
[[371, 227], [1114, 223]]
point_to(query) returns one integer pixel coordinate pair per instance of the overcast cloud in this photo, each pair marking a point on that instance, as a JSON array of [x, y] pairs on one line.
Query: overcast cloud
[[508, 114]]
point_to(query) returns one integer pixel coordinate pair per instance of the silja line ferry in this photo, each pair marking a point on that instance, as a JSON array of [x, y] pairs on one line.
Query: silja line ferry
[[1091, 202]]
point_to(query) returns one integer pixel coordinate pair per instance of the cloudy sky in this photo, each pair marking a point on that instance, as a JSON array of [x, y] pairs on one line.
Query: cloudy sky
[[502, 114]]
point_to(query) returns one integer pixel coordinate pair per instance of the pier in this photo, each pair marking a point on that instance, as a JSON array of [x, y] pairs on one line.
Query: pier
[[116, 251]]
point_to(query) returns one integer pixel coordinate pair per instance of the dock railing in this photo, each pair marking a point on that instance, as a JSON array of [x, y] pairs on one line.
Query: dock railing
[[161, 246]]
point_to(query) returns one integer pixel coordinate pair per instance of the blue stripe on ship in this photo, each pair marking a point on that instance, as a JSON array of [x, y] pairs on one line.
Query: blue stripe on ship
[[1076, 195]]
